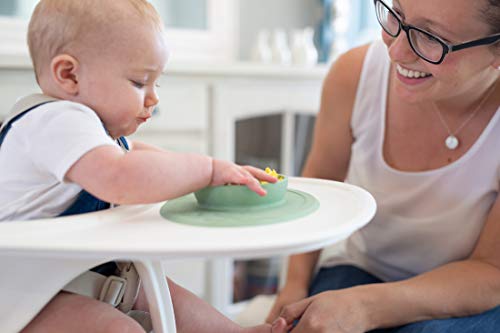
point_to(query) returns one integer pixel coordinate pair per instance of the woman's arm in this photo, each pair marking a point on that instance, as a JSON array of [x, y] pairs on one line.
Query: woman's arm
[[331, 149], [457, 289], [328, 159]]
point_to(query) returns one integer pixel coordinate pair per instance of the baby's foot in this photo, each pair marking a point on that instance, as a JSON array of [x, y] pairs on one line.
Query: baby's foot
[[279, 326]]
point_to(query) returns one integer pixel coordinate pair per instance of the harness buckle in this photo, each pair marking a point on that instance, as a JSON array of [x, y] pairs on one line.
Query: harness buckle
[[113, 290]]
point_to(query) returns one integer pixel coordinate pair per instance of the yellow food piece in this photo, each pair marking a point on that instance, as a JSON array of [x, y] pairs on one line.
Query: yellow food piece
[[273, 173]]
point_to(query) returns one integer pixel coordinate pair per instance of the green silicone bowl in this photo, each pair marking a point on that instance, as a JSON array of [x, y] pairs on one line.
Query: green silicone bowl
[[237, 197]]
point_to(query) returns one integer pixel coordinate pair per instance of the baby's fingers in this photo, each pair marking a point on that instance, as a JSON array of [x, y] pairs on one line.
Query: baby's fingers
[[294, 311], [260, 174], [279, 326], [274, 313], [253, 184]]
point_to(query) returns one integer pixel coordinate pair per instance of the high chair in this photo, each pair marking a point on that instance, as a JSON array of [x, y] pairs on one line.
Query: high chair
[[40, 257]]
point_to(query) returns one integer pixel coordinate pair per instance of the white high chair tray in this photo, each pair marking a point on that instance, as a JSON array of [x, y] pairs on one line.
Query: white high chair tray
[[42, 256]]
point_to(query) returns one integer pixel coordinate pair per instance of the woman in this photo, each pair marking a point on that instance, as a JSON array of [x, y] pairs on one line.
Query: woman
[[415, 122]]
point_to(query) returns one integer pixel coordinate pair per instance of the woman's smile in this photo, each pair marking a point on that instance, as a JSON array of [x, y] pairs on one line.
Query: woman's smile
[[411, 77]]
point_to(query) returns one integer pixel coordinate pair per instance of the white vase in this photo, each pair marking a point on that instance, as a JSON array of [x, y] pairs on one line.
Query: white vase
[[299, 52], [279, 48], [304, 52], [261, 51], [311, 51]]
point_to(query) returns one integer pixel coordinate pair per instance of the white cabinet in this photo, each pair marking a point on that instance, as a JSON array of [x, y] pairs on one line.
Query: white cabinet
[[199, 106], [15, 83], [239, 99], [180, 121], [234, 101]]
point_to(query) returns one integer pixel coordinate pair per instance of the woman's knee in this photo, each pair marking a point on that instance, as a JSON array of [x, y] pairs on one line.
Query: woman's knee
[[340, 277]]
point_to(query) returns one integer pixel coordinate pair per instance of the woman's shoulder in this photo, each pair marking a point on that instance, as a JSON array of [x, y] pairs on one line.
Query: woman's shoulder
[[330, 153]]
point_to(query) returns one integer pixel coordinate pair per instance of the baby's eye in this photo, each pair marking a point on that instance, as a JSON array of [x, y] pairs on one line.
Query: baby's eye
[[157, 85], [137, 84]]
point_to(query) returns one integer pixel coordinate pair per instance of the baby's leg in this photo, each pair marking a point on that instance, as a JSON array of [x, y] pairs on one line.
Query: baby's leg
[[80, 314], [192, 314]]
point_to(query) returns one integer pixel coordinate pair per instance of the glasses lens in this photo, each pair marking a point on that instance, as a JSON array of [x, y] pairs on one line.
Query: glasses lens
[[387, 19], [426, 45]]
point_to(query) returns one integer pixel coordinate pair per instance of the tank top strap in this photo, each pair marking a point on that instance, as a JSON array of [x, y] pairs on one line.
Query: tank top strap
[[372, 89]]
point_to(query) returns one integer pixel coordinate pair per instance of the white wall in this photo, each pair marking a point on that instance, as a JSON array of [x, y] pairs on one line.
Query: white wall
[[183, 14], [272, 14], [253, 16]]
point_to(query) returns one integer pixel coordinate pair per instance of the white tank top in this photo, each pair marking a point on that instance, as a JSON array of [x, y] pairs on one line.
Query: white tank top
[[424, 219]]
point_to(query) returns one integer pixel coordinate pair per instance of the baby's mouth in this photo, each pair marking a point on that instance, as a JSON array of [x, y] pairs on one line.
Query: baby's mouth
[[144, 119]]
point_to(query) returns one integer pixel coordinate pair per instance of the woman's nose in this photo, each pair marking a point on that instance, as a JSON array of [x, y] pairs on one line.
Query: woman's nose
[[400, 49]]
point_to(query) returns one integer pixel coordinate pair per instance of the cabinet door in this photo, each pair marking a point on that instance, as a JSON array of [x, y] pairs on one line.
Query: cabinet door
[[180, 120], [238, 100], [189, 273], [248, 99]]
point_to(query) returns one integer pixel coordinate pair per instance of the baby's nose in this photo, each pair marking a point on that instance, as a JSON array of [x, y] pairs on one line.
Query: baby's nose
[[151, 100]]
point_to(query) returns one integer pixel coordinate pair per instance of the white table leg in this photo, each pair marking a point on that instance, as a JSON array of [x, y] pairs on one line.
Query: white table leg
[[220, 284], [156, 288]]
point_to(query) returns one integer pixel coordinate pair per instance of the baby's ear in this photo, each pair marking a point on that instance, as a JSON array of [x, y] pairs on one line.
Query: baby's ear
[[64, 71]]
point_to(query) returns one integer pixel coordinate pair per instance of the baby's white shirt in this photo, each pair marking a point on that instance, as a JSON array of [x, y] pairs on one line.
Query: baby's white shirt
[[37, 153]]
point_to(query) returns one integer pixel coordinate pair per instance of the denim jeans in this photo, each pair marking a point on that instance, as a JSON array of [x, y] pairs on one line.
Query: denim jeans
[[344, 276]]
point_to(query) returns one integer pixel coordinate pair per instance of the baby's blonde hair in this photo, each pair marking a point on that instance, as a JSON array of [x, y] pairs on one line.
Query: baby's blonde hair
[[68, 26]]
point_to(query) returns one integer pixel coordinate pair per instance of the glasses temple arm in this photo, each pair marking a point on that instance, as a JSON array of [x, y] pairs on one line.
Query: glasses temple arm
[[483, 41]]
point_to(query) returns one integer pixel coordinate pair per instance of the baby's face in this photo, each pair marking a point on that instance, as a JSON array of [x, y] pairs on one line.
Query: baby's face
[[119, 84]]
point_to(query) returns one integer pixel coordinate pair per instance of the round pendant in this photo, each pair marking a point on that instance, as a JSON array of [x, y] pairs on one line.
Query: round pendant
[[451, 142]]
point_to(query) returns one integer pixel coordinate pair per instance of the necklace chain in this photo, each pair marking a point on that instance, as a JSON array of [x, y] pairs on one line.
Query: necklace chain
[[452, 141]]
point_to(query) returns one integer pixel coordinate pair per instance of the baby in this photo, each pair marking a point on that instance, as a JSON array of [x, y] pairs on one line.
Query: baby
[[64, 152]]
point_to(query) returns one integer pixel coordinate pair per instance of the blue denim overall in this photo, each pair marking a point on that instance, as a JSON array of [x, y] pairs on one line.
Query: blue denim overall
[[85, 202]]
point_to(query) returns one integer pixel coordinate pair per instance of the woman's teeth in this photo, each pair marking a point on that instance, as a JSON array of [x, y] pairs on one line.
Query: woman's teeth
[[411, 74]]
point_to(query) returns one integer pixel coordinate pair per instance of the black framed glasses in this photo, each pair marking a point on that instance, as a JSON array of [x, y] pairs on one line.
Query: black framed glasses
[[431, 48]]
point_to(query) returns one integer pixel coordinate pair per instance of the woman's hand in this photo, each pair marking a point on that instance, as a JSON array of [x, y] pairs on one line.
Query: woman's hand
[[287, 295], [339, 311], [225, 172]]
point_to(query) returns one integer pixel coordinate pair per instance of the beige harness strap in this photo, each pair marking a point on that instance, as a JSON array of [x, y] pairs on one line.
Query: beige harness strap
[[118, 291], [25, 103], [129, 273], [108, 289]]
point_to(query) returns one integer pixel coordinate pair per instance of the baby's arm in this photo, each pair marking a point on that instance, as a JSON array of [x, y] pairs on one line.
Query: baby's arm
[[146, 176], [138, 145]]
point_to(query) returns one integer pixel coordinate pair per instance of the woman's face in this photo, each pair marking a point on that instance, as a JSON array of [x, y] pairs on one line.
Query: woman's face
[[461, 72]]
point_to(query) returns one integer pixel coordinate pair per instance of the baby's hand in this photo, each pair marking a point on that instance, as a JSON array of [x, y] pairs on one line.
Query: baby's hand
[[225, 172]]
